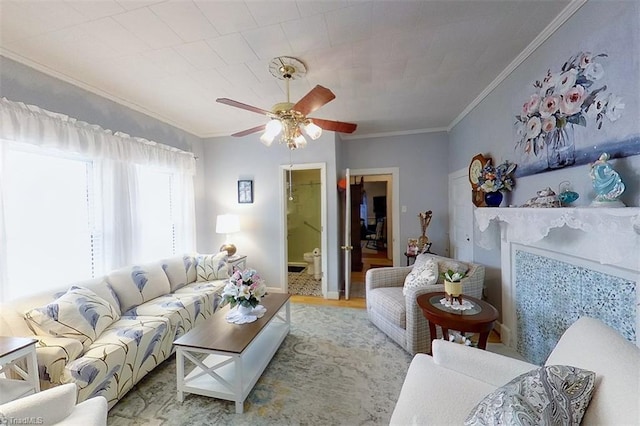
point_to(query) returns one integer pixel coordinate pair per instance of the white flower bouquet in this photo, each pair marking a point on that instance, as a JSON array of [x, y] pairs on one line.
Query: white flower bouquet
[[245, 288]]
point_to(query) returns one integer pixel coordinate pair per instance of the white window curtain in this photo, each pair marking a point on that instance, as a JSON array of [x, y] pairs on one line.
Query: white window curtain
[[116, 161]]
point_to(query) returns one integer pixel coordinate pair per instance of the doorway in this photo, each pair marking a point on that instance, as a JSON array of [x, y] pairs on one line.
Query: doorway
[[304, 218], [377, 219]]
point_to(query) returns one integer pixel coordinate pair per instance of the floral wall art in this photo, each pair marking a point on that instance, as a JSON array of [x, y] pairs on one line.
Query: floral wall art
[[566, 103]]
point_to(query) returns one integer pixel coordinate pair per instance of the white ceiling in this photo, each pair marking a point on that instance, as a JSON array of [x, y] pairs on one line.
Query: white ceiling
[[395, 66]]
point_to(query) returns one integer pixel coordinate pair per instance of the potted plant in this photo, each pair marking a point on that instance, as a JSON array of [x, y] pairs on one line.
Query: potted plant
[[494, 180], [245, 289], [453, 285]]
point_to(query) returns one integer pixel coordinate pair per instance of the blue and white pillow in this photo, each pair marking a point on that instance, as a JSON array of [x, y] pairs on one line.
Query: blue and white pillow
[[212, 267], [551, 395], [78, 314]]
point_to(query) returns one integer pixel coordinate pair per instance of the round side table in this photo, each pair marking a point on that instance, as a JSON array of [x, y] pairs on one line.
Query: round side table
[[478, 319]]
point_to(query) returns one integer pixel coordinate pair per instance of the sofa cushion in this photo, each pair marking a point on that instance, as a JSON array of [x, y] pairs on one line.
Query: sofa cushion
[[126, 351], [78, 314], [390, 303], [423, 275], [211, 291], [551, 395], [102, 288], [180, 270], [434, 395], [137, 284], [592, 345], [183, 310], [210, 267]]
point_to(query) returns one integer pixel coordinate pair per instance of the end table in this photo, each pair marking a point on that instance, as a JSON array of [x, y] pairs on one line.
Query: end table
[[13, 349]]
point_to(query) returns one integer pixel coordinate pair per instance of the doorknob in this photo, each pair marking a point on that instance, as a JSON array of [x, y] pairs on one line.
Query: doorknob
[[346, 248]]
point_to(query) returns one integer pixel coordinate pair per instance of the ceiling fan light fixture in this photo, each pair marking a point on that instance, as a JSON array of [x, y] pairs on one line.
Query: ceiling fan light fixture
[[267, 138], [312, 130], [300, 141]]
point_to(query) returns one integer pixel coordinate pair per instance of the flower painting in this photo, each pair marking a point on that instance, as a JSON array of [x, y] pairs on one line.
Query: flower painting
[[574, 95]]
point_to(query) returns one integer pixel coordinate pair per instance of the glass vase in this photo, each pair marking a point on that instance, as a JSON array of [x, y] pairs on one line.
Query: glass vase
[[560, 147]]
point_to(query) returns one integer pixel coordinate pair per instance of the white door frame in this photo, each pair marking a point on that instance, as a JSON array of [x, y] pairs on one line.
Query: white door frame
[[282, 171], [395, 203], [454, 176]]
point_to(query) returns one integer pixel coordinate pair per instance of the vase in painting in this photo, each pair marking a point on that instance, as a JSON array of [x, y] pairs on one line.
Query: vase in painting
[[561, 150]]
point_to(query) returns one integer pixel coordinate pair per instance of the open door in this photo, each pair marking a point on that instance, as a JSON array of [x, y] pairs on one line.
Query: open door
[[347, 247], [356, 233]]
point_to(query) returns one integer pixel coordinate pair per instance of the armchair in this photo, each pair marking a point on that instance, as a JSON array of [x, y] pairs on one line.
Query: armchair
[[399, 316], [57, 406]]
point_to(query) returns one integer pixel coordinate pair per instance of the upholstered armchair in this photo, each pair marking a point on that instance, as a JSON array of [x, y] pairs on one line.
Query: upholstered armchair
[[56, 406], [399, 316]]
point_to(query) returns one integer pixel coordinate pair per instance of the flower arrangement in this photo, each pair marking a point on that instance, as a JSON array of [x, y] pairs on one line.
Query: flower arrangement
[[562, 98], [245, 288], [453, 277], [494, 179]]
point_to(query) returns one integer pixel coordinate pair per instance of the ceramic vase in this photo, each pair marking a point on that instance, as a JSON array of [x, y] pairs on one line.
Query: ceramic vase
[[244, 310], [493, 199], [453, 291]]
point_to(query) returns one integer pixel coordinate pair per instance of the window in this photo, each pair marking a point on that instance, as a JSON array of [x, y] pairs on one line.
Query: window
[[49, 221], [155, 214]]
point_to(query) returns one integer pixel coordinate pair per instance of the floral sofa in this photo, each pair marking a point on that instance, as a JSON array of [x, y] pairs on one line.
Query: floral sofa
[[105, 334]]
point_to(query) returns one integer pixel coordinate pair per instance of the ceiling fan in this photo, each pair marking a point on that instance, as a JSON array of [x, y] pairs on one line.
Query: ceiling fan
[[288, 119]]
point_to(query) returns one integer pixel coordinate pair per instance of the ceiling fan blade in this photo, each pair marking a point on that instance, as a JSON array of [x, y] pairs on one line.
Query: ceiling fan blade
[[240, 105], [335, 126], [249, 131], [317, 97]]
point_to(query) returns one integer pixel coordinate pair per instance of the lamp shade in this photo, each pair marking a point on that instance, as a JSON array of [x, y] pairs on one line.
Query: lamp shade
[[227, 224]]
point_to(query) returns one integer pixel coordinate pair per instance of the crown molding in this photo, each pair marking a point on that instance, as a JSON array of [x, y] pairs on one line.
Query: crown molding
[[398, 133], [557, 22], [96, 91]]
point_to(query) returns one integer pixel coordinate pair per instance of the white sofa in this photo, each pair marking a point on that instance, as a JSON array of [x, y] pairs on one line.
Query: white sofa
[[399, 316], [57, 407], [106, 333], [445, 388]]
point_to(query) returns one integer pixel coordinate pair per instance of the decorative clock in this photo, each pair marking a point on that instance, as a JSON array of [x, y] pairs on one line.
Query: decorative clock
[[475, 171]]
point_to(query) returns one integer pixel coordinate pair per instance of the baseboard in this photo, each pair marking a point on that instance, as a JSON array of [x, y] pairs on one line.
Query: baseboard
[[505, 334], [333, 295]]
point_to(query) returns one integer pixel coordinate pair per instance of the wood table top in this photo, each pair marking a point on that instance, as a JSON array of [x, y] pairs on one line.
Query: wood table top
[[9, 344], [487, 312], [219, 335]]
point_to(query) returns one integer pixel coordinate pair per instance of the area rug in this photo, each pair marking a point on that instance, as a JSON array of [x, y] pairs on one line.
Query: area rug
[[334, 368], [303, 284]]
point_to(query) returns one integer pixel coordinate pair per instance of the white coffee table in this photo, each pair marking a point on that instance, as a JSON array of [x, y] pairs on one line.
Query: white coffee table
[[13, 350], [237, 353]]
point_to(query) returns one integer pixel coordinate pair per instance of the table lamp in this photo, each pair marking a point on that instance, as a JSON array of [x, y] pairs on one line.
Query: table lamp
[[227, 224]]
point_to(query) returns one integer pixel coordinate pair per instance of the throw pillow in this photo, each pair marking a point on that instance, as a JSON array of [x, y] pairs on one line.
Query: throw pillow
[[425, 274], [555, 394], [78, 314], [212, 267]]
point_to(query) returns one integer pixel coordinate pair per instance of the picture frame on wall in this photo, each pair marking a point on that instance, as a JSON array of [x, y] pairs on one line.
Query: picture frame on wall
[[245, 191]]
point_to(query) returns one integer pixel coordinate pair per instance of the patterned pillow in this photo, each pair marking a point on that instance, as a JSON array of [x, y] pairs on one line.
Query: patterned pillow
[[555, 394], [422, 275], [78, 314], [211, 267]]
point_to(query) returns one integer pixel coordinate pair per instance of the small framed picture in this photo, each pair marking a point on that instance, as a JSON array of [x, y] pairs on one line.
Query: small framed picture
[[245, 191]]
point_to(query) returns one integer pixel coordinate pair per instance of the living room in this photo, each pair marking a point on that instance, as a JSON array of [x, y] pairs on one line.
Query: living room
[[427, 161]]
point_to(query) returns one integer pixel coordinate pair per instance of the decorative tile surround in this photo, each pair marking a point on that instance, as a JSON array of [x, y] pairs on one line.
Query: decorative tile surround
[[558, 264], [551, 295]]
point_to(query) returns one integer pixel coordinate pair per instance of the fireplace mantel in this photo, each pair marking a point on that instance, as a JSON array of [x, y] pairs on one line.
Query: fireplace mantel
[[549, 253], [614, 233]]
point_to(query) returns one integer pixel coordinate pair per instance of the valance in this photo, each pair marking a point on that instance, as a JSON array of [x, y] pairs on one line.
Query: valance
[[24, 123], [616, 231]]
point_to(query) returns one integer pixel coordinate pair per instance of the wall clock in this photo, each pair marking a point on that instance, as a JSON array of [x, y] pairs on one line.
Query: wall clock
[[475, 170]]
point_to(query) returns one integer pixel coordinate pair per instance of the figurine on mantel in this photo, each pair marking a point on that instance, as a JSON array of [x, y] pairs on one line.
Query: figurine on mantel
[[607, 183], [545, 198]]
